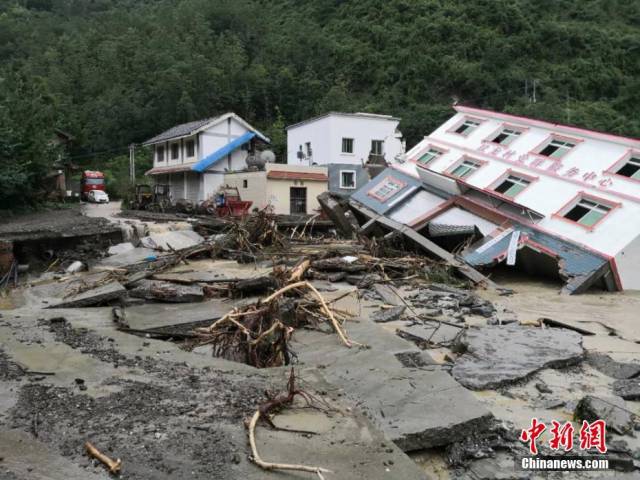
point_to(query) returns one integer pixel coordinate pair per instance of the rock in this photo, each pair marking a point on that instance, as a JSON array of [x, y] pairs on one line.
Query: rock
[[484, 310], [388, 315], [120, 248], [610, 409], [166, 291], [605, 364], [628, 389], [499, 355], [543, 388], [76, 266]]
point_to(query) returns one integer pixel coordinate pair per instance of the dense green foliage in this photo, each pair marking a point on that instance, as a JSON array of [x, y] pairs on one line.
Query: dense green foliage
[[113, 72]]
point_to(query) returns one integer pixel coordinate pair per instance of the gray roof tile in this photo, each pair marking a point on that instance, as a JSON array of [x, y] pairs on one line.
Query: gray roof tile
[[180, 130]]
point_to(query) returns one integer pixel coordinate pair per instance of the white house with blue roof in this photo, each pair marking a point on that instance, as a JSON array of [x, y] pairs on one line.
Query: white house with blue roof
[[193, 157]]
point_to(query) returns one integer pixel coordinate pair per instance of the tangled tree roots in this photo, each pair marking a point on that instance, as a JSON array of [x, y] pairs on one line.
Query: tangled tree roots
[[258, 334], [271, 406]]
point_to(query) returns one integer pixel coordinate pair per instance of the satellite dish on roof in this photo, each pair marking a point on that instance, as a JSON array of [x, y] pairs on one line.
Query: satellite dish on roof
[[267, 156], [259, 159]]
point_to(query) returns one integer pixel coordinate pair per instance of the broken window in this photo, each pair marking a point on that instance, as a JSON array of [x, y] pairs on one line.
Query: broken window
[[467, 127], [387, 189], [160, 153], [191, 148], [429, 156], [630, 169], [175, 151], [466, 168], [506, 136], [376, 147], [512, 186], [587, 212], [556, 148], [347, 145], [347, 179]]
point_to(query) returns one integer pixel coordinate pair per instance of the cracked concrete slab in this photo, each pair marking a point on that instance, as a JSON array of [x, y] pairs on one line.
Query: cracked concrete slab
[[499, 355]]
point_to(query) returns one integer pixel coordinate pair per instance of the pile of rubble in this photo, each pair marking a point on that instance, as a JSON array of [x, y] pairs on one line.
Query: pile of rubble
[[157, 352]]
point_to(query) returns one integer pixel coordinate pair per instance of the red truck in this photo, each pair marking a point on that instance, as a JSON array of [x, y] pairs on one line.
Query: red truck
[[91, 181]]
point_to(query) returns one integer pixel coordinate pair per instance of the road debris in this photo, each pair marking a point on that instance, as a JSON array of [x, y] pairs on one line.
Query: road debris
[[113, 465]]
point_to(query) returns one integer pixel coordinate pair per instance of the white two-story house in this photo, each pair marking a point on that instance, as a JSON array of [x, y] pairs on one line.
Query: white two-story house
[[193, 157], [568, 194], [344, 142]]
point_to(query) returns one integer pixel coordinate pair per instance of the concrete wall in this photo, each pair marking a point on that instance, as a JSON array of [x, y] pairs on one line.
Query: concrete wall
[[555, 184], [628, 263], [335, 169], [256, 189], [326, 134], [278, 194]]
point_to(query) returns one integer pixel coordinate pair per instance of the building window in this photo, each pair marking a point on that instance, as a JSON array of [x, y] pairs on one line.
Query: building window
[[556, 148], [347, 179], [347, 145], [506, 136], [587, 211], [309, 152], [160, 153], [631, 168], [175, 151], [466, 127], [465, 168], [386, 189], [245, 183], [191, 148], [512, 186], [429, 156], [377, 147]]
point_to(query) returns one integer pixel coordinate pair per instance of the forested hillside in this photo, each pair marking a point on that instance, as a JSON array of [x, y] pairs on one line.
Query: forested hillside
[[112, 72]]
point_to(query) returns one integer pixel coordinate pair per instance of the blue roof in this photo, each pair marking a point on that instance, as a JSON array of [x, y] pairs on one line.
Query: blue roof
[[209, 160]]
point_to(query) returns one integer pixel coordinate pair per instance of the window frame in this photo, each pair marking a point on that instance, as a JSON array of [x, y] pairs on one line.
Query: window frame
[[245, 183], [308, 150], [191, 142], [465, 119], [160, 153], [381, 142], [505, 126], [342, 186], [373, 192], [175, 147], [580, 196], [505, 176], [353, 144], [555, 137], [621, 162], [425, 151], [458, 163]]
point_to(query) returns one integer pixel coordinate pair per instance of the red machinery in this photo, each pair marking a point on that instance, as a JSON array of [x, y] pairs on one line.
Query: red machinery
[[229, 204], [91, 181]]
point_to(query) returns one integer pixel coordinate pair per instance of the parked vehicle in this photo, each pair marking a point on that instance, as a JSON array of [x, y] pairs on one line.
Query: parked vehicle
[[156, 198], [98, 196], [91, 181]]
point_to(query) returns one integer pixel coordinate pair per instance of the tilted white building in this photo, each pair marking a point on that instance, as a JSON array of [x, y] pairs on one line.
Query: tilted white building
[[572, 195]]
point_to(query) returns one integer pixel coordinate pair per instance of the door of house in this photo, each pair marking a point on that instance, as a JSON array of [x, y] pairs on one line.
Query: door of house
[[298, 200]]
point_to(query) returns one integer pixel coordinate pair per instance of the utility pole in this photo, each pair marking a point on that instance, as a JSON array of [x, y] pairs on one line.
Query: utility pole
[[132, 163], [534, 90], [526, 89]]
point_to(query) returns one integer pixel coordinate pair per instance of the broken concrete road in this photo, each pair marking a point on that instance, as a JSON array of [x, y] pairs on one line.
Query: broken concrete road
[[499, 355], [415, 407], [610, 409]]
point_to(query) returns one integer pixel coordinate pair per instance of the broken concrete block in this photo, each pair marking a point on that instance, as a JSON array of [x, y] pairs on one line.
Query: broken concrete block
[[628, 389], [95, 296], [607, 365], [610, 409], [388, 315], [388, 295], [128, 257], [430, 333], [496, 356], [120, 248], [177, 240], [76, 266], [346, 224], [166, 291]]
